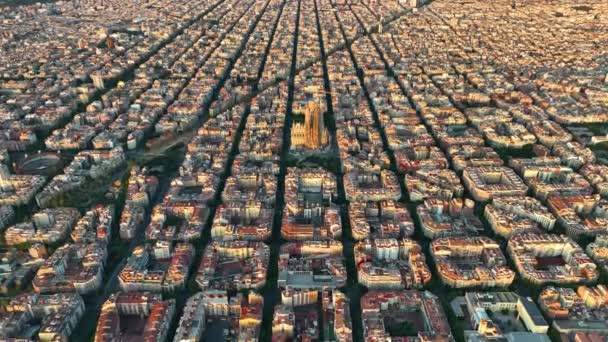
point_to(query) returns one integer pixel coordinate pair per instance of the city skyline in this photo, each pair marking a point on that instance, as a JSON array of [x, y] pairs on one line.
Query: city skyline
[[304, 170]]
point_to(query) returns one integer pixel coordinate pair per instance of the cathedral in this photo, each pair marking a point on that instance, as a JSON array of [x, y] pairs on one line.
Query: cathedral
[[312, 134]]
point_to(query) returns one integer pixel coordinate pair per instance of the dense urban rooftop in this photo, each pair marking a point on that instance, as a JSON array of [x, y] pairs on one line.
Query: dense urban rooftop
[[304, 170]]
